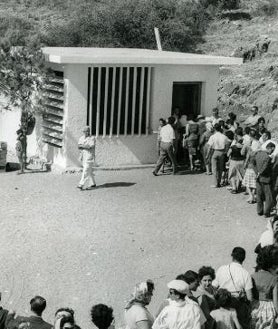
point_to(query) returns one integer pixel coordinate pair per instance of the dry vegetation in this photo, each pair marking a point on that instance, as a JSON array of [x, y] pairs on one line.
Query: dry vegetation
[[256, 81]]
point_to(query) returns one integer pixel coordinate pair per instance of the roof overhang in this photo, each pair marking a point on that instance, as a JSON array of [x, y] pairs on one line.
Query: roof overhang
[[131, 56]]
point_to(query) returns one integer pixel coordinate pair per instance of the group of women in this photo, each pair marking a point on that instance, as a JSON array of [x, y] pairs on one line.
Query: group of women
[[213, 308]]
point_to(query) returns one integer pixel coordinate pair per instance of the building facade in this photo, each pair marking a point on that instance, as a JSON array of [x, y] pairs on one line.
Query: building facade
[[121, 94]]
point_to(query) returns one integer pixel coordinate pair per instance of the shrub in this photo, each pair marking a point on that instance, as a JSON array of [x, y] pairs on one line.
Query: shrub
[[229, 4], [267, 7], [131, 23]]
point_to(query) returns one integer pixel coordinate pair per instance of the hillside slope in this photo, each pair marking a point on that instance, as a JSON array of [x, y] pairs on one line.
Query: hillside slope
[[256, 81]]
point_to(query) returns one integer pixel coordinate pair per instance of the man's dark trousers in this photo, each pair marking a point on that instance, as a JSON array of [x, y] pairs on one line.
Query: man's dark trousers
[[166, 149], [264, 198]]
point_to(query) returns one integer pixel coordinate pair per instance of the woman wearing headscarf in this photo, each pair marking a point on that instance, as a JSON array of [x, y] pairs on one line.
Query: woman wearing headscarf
[[189, 298], [180, 313], [137, 316]]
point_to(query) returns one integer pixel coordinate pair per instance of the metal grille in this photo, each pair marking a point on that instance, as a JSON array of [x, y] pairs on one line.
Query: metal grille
[[54, 110], [119, 100]]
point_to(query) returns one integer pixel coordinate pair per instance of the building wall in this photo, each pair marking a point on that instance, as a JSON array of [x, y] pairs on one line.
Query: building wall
[[163, 79], [130, 150]]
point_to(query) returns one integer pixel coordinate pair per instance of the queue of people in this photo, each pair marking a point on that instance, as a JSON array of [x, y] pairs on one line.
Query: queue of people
[[241, 158], [225, 299]]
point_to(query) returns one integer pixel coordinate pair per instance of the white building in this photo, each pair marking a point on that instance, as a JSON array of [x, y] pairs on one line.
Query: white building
[[121, 94]]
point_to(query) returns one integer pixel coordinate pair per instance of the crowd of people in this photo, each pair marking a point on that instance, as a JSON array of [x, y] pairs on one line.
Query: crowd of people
[[243, 158], [229, 298]]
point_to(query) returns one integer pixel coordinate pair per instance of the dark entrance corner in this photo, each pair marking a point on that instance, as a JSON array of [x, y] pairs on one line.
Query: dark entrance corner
[[187, 97]]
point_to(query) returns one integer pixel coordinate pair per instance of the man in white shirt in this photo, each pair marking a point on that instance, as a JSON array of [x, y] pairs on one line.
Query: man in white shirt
[[234, 278], [215, 118], [252, 120], [167, 137], [217, 143], [86, 145]]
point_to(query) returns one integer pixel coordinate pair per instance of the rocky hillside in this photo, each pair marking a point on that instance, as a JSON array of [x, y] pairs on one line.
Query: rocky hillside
[[256, 81]]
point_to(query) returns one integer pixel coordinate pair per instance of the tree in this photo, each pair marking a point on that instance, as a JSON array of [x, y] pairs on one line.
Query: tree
[[23, 72]]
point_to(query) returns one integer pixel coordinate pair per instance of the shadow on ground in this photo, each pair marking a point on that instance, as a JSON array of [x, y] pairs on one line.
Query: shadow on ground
[[116, 184]]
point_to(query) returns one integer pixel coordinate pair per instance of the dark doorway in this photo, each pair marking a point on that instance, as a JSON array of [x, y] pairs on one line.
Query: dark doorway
[[187, 96]]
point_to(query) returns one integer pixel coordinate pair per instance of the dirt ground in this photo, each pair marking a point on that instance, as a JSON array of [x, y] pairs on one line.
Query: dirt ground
[[80, 248]]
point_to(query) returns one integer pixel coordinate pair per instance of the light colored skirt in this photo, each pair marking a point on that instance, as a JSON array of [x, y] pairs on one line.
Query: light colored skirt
[[204, 151], [263, 315], [236, 170], [250, 178]]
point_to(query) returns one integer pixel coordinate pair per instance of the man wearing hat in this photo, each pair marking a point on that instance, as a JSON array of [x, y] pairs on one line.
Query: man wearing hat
[[86, 145], [179, 313]]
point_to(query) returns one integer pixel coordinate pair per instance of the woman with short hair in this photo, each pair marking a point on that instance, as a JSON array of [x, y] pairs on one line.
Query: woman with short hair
[[205, 293], [137, 315], [102, 316]]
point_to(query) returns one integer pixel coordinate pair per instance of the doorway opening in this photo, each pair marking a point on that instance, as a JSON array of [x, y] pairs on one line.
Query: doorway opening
[[187, 97]]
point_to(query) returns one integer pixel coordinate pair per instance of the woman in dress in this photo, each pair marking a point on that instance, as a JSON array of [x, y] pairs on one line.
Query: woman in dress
[[137, 315], [191, 141], [236, 164], [225, 316], [205, 293], [250, 177], [205, 148], [265, 307]]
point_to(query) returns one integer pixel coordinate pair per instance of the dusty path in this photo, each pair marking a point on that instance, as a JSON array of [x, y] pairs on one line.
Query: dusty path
[[80, 248]]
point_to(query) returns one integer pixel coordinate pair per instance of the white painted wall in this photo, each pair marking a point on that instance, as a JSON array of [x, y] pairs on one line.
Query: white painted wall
[[128, 150], [165, 75]]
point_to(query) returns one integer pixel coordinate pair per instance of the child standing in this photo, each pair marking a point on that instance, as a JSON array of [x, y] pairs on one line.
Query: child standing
[[19, 147], [225, 317]]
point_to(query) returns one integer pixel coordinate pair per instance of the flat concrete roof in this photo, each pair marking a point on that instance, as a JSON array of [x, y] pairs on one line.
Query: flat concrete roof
[[133, 56]]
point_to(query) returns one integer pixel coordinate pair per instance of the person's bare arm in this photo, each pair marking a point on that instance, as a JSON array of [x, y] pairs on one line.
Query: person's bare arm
[[236, 322], [275, 298], [249, 295], [143, 325]]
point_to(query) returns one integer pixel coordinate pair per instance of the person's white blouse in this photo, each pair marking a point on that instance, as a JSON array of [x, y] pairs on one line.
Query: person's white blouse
[[178, 315]]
